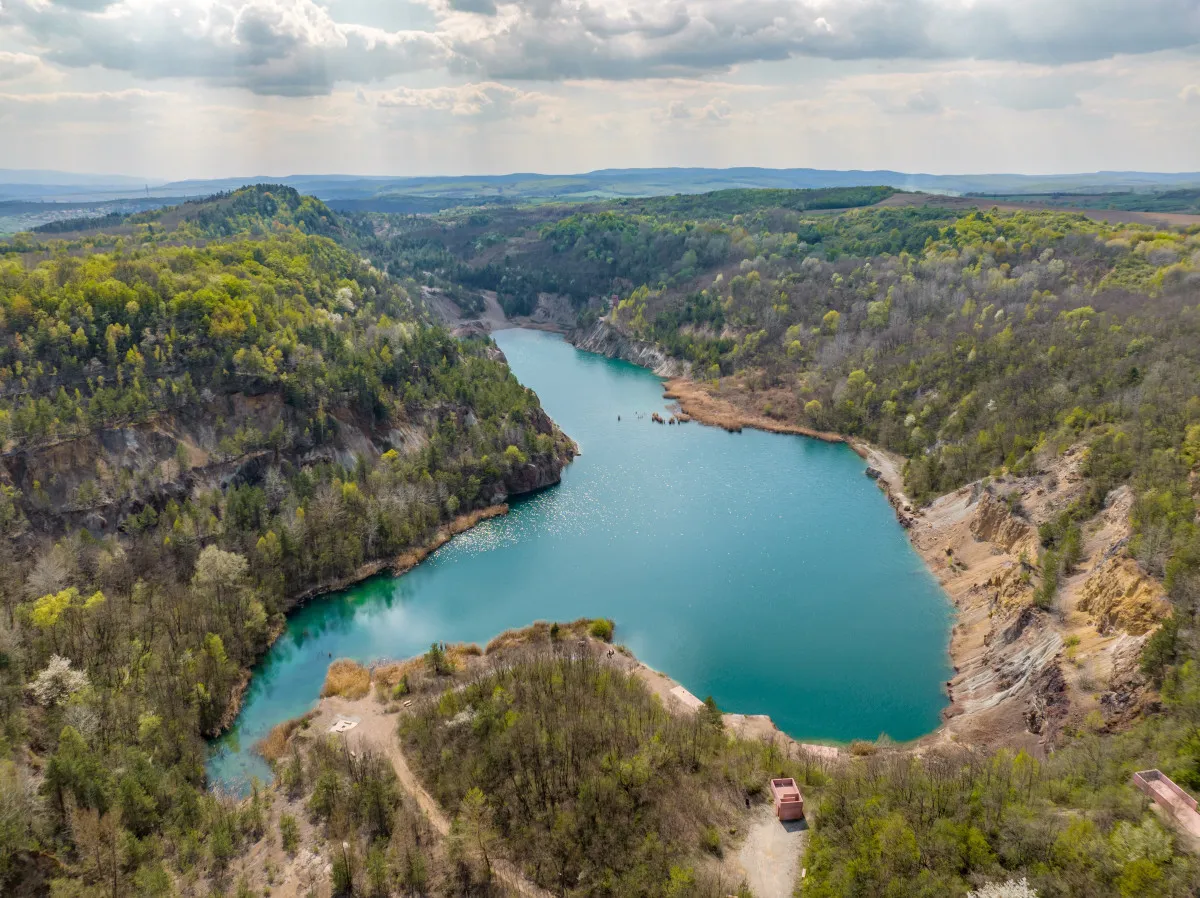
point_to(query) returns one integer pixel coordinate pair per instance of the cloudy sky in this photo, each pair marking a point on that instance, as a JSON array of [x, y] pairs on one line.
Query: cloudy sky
[[206, 88]]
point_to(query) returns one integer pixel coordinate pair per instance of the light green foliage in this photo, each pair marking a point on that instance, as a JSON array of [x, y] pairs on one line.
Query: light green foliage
[[904, 826], [289, 833], [602, 629], [49, 608]]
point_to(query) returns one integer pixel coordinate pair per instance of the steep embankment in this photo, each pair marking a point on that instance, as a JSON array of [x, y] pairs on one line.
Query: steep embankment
[[553, 313], [95, 481], [1023, 672], [605, 340]]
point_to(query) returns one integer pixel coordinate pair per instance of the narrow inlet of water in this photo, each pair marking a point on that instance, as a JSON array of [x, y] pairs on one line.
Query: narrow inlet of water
[[761, 569]]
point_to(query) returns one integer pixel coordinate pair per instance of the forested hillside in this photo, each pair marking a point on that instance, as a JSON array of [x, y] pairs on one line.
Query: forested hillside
[[203, 416], [583, 251]]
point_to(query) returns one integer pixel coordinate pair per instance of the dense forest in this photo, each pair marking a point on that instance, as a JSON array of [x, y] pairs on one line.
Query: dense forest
[[583, 250], [1185, 199], [203, 417]]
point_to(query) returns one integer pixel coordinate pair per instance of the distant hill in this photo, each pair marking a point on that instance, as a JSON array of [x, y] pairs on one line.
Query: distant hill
[[431, 194], [254, 210], [1185, 200], [360, 193]]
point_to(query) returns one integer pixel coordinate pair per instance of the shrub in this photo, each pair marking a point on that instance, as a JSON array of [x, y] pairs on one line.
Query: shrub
[[437, 662], [602, 629], [289, 833]]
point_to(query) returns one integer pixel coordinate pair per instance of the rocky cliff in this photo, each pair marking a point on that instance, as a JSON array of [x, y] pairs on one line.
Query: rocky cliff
[[1023, 673], [538, 473], [604, 339], [96, 480]]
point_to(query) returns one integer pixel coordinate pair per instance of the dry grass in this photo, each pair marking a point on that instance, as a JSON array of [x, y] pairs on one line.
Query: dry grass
[[715, 411], [463, 650], [539, 633], [347, 679], [388, 675], [275, 745]]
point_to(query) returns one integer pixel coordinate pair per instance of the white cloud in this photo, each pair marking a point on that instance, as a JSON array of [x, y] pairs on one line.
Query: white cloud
[[485, 99], [283, 47], [974, 84], [617, 39], [923, 102], [678, 112], [298, 47], [17, 65], [956, 87]]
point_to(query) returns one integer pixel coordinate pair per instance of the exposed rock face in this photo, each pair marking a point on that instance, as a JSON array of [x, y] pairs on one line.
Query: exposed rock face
[[96, 480], [530, 478], [994, 523], [1127, 699], [603, 339], [1049, 703], [1120, 597], [555, 311], [543, 472], [1010, 589]]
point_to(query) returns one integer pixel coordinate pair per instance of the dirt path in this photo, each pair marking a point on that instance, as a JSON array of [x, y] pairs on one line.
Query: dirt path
[[770, 858], [378, 729]]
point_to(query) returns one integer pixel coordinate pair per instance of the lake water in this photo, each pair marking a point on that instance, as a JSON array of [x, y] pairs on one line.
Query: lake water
[[764, 570]]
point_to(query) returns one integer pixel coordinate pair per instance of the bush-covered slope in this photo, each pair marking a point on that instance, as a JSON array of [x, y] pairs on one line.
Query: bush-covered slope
[[593, 787], [253, 210]]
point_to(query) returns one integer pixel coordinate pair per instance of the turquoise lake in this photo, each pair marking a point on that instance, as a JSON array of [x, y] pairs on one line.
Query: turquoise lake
[[764, 570]]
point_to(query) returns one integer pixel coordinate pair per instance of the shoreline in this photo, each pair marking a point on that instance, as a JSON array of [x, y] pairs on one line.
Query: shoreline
[[406, 560], [699, 405], [887, 470], [976, 711], [674, 697], [1015, 682], [399, 565]]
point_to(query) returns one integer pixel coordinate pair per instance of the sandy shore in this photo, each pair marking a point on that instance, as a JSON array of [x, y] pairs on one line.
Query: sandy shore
[[702, 406]]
